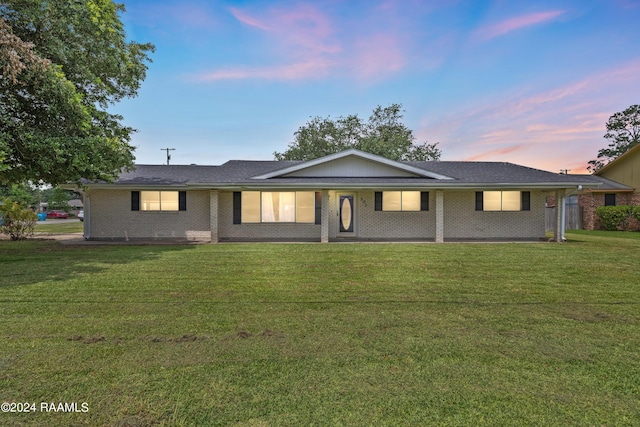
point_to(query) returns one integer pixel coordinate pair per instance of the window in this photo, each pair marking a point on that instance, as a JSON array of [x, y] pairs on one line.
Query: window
[[503, 201], [250, 206], [275, 206], [159, 200], [402, 201], [170, 201], [278, 207], [305, 206], [610, 199], [571, 201]]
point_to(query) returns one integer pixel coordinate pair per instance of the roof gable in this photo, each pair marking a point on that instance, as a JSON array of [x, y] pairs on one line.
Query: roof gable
[[625, 169], [631, 154], [352, 164]]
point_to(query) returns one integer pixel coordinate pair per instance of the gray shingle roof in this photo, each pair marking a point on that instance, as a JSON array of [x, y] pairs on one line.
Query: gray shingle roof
[[241, 173]]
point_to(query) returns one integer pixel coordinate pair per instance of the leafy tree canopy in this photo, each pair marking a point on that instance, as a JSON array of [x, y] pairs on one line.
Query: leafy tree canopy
[[59, 199], [22, 193], [623, 132], [62, 64], [384, 135]]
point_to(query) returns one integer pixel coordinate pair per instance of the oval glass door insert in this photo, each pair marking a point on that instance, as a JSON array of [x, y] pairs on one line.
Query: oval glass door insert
[[345, 214]]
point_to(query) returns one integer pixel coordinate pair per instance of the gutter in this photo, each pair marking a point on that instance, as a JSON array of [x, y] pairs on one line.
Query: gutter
[[239, 186], [386, 186]]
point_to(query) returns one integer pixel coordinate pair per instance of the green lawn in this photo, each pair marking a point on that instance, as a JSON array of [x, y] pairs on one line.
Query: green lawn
[[311, 334], [59, 227]]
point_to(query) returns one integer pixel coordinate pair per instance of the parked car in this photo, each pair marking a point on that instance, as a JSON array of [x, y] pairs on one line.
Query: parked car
[[57, 214], [81, 215]]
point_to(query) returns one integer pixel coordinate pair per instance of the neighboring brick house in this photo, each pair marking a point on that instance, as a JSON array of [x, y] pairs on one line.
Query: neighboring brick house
[[350, 195], [620, 185]]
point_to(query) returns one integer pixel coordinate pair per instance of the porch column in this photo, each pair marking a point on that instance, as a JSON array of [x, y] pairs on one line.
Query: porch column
[[557, 232], [324, 217], [439, 216], [213, 215], [86, 222]]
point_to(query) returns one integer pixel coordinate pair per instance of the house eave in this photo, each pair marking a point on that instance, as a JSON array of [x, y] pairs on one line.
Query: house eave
[[610, 190]]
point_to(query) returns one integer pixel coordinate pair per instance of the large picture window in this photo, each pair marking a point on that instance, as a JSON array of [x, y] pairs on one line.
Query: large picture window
[[503, 201], [278, 206]]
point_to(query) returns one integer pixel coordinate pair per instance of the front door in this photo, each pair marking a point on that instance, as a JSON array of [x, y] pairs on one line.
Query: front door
[[346, 214]]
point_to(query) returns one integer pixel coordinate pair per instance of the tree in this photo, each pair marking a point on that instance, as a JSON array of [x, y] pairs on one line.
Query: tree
[[384, 135], [59, 199], [62, 64], [623, 130], [22, 193]]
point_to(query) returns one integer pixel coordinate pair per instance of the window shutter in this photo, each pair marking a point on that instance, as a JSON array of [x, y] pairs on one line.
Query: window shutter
[[237, 207], [479, 201], [378, 201], [610, 199], [135, 200], [526, 200], [424, 200], [182, 200], [318, 219]]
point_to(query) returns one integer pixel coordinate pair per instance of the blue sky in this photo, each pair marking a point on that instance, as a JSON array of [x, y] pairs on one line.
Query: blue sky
[[529, 82]]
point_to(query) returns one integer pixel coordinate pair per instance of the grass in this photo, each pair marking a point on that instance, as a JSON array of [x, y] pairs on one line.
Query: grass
[[310, 334], [59, 227]]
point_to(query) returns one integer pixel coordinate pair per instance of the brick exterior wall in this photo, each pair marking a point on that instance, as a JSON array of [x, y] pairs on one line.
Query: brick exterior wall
[[634, 199], [462, 221], [372, 224], [112, 218], [591, 201]]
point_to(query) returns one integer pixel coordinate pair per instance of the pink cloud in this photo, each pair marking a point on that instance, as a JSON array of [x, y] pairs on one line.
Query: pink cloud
[[248, 20], [516, 23], [567, 97], [492, 154], [303, 26], [302, 70], [306, 43], [301, 41], [380, 53], [185, 15], [628, 4], [561, 127]]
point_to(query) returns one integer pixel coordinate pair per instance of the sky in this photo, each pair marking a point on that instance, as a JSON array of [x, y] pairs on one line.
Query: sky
[[528, 82]]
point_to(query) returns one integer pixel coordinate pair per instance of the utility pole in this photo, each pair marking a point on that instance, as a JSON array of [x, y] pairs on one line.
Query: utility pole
[[564, 171], [168, 155]]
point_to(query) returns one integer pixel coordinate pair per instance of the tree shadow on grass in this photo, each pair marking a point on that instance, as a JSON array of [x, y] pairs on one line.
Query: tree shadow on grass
[[34, 261]]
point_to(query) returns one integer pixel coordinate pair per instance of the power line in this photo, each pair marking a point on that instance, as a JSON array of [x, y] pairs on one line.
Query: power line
[[168, 155]]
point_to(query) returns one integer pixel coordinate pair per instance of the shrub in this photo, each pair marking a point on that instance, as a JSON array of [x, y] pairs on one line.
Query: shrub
[[612, 217], [18, 222], [635, 212]]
